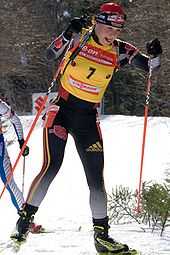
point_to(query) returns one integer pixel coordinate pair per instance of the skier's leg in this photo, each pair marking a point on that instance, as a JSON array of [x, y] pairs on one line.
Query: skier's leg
[[54, 141], [5, 172], [53, 150], [14, 191], [89, 145], [90, 148]]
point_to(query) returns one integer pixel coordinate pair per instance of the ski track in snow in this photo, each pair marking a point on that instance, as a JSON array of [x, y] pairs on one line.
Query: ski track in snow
[[65, 210]]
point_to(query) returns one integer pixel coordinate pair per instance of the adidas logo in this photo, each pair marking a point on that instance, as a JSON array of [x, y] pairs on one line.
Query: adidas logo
[[95, 147]]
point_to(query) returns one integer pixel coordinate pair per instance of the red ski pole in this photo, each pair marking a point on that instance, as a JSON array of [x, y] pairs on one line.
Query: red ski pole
[[144, 138]]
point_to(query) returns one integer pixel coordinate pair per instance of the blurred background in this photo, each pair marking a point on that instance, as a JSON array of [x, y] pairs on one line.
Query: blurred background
[[28, 27]]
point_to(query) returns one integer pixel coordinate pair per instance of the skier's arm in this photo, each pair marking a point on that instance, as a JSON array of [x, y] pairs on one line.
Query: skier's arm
[[8, 113], [131, 55], [141, 61], [154, 50], [58, 46], [15, 120], [145, 62]]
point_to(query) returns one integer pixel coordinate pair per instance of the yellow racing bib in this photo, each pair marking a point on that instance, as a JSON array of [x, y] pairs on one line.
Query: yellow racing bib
[[88, 76]]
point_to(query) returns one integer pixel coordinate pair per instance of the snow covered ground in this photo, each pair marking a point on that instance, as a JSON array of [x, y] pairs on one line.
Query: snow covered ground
[[65, 211]]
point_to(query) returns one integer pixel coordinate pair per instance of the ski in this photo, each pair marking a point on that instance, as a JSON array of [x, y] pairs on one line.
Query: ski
[[16, 245], [130, 252], [15, 242], [11, 245]]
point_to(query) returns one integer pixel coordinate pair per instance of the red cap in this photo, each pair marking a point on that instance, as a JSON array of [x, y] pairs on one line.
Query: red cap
[[111, 14], [112, 8]]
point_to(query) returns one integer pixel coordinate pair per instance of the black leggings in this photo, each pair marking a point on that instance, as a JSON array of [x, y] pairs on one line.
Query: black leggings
[[84, 127]]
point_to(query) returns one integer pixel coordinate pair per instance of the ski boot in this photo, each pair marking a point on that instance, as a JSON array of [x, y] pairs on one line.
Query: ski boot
[[24, 222], [103, 242]]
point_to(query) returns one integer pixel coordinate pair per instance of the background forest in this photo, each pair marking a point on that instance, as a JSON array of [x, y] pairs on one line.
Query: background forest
[[28, 27]]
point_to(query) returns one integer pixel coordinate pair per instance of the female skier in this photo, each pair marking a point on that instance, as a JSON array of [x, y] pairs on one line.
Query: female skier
[[85, 74]]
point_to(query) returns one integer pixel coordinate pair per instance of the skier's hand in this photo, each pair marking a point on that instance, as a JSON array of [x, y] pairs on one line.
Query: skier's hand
[[154, 48], [26, 150], [75, 26], [39, 102]]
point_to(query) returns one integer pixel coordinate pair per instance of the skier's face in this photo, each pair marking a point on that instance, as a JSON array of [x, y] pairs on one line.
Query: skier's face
[[106, 34]]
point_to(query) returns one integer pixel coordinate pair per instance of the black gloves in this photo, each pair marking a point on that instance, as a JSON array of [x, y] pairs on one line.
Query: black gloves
[[26, 150], [154, 47], [75, 26]]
